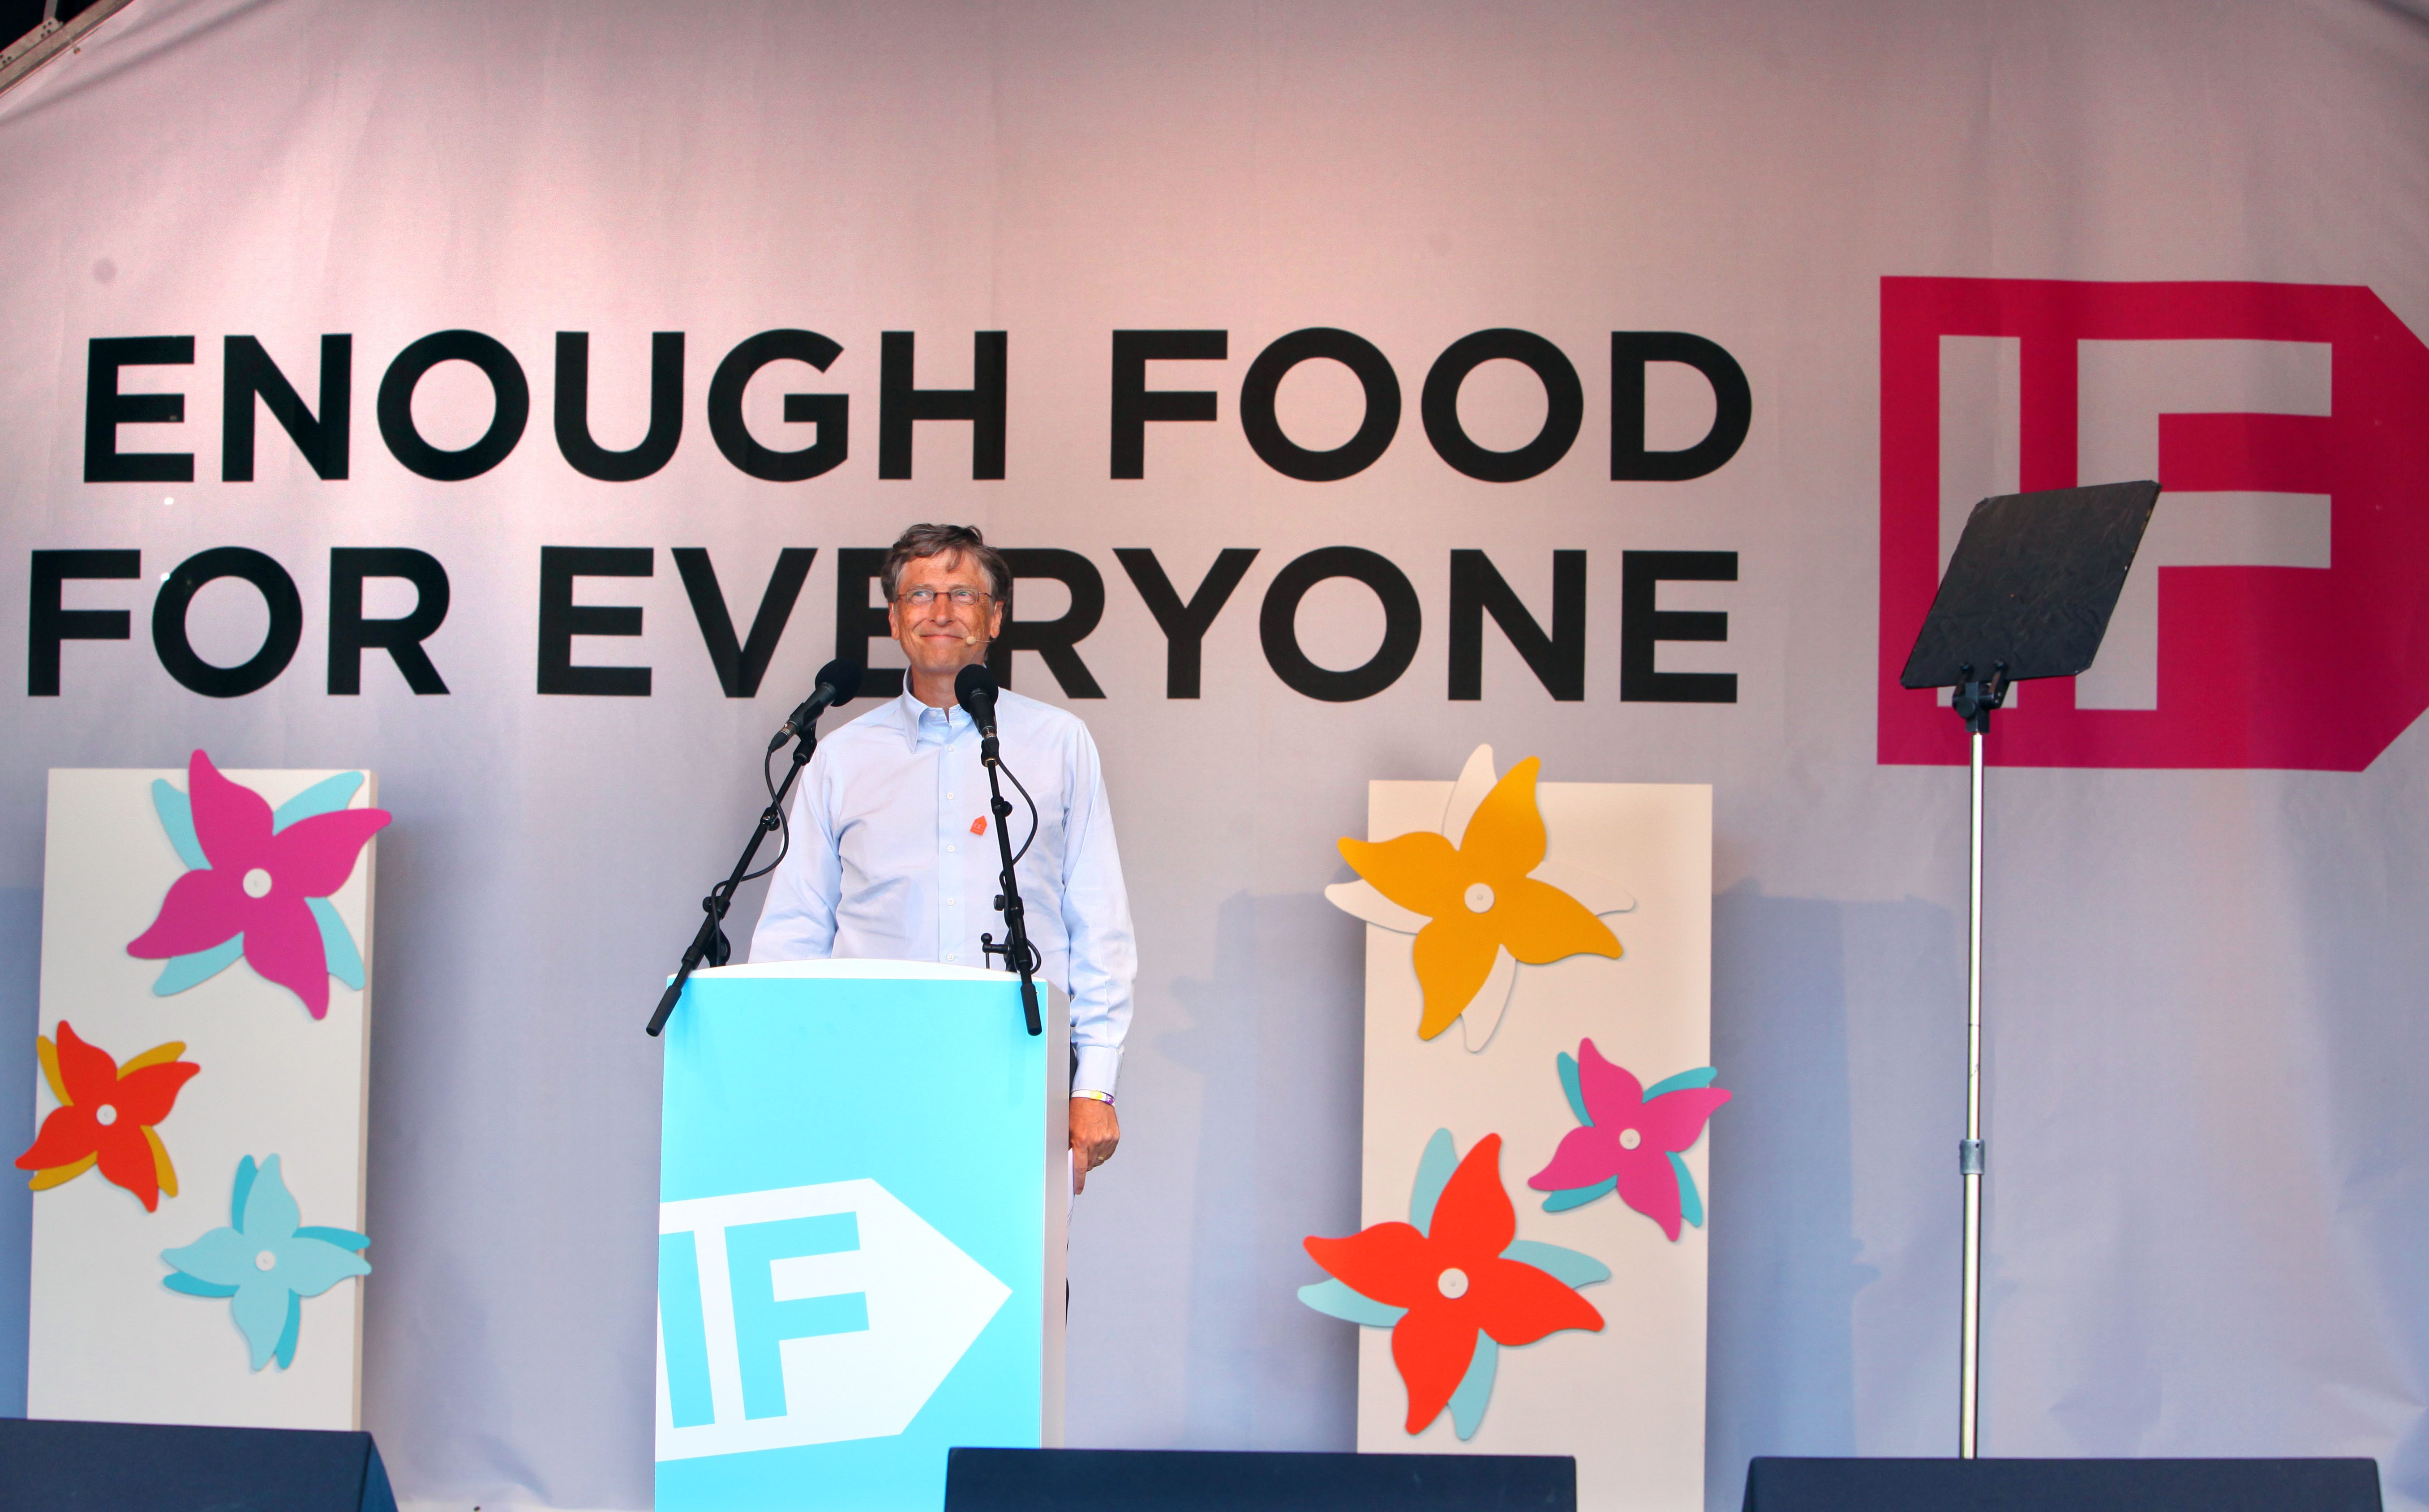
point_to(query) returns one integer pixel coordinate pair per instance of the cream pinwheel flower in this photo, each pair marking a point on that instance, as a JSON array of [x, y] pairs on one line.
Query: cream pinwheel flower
[[1483, 903]]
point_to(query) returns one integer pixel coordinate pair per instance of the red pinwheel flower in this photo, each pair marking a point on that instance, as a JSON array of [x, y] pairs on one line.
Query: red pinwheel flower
[[1630, 1139], [257, 883], [1454, 1283], [105, 1115]]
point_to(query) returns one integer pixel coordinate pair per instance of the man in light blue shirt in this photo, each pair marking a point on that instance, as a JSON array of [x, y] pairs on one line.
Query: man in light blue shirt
[[891, 856]]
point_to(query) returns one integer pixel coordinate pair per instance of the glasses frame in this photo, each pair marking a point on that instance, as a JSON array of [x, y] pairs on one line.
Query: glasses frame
[[909, 598]]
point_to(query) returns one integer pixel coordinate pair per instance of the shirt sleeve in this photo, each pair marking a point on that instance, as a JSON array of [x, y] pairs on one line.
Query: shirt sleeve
[[797, 920], [1097, 922]]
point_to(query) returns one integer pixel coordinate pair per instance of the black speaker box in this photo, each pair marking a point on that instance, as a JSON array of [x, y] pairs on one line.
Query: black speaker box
[[1179, 1480], [1782, 1484], [145, 1467]]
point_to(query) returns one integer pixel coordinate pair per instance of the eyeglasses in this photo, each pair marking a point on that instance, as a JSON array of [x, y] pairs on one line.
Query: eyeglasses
[[924, 598]]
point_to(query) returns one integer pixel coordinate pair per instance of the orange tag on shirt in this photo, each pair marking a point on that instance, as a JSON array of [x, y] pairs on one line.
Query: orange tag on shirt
[[978, 826]]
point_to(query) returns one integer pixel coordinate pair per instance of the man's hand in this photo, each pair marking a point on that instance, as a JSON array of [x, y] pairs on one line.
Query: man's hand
[[1094, 1132]]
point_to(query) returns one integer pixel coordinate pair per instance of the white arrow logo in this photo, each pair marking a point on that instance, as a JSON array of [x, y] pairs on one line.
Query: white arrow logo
[[806, 1315]]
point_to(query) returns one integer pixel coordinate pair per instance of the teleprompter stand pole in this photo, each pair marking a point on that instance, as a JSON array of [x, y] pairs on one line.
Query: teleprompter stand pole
[[1018, 954], [1973, 702], [2027, 593], [710, 943]]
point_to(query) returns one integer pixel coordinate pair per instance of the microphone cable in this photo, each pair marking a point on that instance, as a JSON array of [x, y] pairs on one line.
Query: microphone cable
[[843, 676], [1036, 957], [784, 820], [1032, 837]]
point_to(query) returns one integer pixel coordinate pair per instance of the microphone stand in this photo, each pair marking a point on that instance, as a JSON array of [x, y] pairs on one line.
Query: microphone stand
[[710, 943], [1018, 954]]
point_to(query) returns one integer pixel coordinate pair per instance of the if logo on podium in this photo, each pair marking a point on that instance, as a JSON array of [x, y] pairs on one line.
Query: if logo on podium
[[806, 1315], [2278, 613]]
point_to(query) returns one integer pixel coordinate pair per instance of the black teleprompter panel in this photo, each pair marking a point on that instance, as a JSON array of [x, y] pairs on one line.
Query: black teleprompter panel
[[2032, 583]]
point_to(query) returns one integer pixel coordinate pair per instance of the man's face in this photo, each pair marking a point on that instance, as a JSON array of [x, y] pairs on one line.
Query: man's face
[[942, 635]]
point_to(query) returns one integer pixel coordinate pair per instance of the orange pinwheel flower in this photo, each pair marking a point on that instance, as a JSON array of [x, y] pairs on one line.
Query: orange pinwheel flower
[[107, 1115], [1478, 897]]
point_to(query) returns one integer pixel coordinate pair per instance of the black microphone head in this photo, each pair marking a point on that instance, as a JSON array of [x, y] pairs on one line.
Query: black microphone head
[[844, 677], [974, 686]]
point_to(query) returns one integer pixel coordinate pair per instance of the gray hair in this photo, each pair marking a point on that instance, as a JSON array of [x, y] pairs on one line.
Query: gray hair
[[924, 542]]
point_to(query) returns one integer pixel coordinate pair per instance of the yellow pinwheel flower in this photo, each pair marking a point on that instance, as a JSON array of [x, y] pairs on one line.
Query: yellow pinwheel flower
[[1478, 906]]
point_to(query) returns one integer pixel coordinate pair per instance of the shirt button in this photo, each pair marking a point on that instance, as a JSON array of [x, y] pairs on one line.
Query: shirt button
[[953, 955], [951, 902], [949, 848], [948, 797]]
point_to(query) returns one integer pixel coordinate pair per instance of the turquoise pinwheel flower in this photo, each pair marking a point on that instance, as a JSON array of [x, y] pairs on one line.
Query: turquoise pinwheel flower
[[266, 1262]]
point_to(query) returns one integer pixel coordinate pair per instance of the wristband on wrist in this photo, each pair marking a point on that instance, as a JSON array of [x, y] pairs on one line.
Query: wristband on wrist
[[1105, 1098]]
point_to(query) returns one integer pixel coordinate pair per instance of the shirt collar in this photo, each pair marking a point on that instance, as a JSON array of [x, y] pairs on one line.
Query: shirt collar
[[921, 722]]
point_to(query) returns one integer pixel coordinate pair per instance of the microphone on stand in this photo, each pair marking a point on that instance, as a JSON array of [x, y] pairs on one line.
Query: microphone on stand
[[975, 691], [838, 683]]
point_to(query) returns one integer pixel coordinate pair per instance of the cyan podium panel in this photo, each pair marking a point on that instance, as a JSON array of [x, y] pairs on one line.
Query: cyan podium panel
[[862, 1195]]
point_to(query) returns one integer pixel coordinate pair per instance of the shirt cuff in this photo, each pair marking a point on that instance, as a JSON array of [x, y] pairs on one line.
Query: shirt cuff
[[1101, 1066]]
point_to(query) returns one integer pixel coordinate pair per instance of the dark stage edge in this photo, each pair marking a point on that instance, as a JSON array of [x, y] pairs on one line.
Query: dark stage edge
[[1783, 1485], [143, 1467], [1179, 1480]]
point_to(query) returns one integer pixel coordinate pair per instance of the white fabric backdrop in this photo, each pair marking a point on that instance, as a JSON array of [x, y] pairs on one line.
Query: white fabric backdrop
[[2208, 1115]]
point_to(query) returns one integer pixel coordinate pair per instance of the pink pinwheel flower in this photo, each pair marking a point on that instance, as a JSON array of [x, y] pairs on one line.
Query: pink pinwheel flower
[[1630, 1138], [257, 883]]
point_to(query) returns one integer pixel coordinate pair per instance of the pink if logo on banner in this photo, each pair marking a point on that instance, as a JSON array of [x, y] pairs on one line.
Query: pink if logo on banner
[[2278, 613]]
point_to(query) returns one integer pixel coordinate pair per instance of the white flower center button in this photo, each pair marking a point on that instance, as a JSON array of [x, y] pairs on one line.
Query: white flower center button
[[1630, 1138], [1452, 1282], [256, 883], [1479, 898], [105, 1115], [265, 1261]]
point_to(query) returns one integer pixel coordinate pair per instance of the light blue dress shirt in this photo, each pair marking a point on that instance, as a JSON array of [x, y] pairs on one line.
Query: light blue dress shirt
[[889, 861]]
